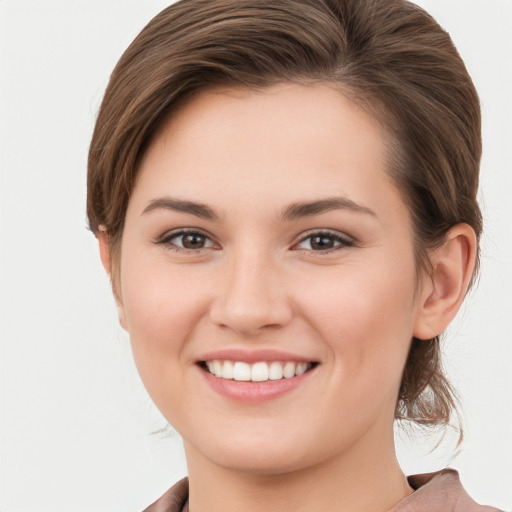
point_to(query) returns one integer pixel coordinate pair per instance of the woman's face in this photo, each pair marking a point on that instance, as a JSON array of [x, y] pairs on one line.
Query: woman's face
[[264, 238]]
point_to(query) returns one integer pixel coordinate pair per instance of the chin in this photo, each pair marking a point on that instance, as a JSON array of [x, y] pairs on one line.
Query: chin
[[251, 455], [260, 464], [257, 454]]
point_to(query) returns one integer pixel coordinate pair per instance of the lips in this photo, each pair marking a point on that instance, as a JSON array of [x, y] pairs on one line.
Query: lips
[[256, 375]]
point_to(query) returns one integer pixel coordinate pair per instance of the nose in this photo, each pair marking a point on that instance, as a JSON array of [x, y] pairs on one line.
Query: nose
[[252, 296]]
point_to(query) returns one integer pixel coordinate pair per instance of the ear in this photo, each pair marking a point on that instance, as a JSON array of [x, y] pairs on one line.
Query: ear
[[106, 260], [444, 290], [104, 244]]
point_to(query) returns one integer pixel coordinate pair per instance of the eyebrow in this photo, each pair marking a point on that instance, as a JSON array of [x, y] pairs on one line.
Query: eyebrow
[[292, 212], [312, 208], [180, 205]]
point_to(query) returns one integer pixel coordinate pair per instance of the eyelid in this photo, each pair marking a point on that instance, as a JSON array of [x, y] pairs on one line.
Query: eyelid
[[343, 239], [166, 238]]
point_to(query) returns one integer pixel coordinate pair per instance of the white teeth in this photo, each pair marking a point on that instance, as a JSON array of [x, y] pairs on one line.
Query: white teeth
[[241, 371], [217, 368], [301, 368], [227, 370], [257, 372], [289, 370], [275, 371]]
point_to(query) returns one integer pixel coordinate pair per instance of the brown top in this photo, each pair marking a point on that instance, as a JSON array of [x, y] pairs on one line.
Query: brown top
[[439, 492], [433, 492]]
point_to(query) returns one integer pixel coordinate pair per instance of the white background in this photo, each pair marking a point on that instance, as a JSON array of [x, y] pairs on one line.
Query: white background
[[75, 425]]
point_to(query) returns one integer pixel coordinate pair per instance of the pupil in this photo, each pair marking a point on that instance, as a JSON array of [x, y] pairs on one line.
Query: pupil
[[193, 241], [322, 242]]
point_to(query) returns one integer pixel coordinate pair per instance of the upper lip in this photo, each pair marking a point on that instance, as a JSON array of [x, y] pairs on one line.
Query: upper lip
[[253, 356]]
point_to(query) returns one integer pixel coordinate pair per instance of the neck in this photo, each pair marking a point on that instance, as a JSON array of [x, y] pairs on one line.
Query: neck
[[364, 480]]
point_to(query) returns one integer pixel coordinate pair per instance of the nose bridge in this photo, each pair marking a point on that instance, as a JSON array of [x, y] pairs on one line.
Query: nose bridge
[[251, 296]]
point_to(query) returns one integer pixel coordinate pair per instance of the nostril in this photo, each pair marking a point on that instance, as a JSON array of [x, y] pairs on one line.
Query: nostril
[[247, 318], [250, 298]]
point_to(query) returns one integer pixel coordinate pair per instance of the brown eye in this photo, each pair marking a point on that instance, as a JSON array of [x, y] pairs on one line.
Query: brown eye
[[323, 242], [187, 241], [193, 241]]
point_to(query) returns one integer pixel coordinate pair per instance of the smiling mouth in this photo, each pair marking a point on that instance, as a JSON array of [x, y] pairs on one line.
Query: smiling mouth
[[256, 372]]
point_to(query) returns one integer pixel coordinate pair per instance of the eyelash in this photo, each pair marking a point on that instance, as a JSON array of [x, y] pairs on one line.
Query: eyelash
[[167, 241], [341, 240]]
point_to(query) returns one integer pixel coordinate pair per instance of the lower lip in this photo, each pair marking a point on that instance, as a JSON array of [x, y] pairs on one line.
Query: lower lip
[[253, 392]]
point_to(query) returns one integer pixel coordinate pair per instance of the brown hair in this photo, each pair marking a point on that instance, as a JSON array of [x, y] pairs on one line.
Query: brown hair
[[390, 56]]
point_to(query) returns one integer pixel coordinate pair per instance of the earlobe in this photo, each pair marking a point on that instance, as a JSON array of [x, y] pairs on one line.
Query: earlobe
[[121, 315], [453, 264], [104, 245], [105, 256]]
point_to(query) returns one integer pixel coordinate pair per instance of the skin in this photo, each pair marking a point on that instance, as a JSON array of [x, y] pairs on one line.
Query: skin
[[258, 282]]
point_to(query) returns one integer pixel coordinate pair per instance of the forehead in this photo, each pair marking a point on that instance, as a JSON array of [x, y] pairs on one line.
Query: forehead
[[260, 143]]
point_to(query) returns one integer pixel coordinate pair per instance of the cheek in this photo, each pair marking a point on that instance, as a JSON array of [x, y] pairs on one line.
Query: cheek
[[359, 300], [163, 308], [366, 317], [367, 329], [160, 299]]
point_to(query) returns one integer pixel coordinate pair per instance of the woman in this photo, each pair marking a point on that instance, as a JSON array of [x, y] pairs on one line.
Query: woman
[[281, 329]]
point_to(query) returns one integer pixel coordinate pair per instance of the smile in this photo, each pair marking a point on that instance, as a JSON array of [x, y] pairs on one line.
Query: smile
[[257, 372]]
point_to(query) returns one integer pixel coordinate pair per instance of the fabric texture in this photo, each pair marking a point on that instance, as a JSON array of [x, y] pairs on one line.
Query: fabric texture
[[174, 500], [433, 492], [439, 492]]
